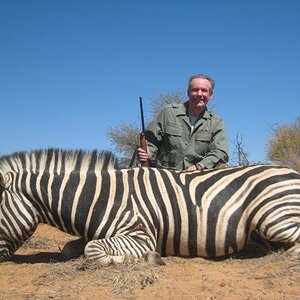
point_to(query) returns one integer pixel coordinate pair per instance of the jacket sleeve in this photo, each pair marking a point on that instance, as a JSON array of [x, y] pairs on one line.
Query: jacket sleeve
[[218, 148], [154, 135]]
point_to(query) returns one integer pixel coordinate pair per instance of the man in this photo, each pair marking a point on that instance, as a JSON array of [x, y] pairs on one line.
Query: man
[[187, 136]]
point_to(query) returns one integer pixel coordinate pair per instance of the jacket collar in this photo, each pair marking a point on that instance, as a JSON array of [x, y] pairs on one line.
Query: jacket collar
[[184, 108]]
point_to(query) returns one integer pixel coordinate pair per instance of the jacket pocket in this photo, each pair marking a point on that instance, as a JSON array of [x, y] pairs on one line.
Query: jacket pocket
[[169, 160], [173, 130], [172, 138], [204, 137]]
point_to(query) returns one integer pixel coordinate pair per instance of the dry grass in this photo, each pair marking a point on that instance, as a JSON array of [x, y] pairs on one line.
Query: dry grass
[[81, 279], [121, 278], [38, 243]]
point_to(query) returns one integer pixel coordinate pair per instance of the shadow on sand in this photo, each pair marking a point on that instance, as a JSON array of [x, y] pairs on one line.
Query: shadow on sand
[[41, 257]]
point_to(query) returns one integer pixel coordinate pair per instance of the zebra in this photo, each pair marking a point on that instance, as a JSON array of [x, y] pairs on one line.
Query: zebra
[[137, 211]]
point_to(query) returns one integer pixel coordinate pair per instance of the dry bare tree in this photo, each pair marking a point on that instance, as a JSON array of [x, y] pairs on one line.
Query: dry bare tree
[[241, 157], [284, 145]]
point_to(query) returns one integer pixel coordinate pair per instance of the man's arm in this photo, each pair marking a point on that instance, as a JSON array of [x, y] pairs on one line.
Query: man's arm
[[218, 147]]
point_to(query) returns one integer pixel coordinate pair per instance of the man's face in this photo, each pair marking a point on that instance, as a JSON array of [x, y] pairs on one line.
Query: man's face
[[199, 93]]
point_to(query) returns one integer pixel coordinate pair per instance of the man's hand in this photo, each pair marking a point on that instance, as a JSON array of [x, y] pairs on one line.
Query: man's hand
[[142, 155], [193, 168]]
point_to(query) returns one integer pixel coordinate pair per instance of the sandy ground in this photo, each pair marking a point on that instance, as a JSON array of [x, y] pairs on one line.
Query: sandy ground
[[37, 271]]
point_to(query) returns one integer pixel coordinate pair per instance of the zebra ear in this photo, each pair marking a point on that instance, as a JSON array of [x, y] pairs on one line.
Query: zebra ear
[[1, 180], [4, 180]]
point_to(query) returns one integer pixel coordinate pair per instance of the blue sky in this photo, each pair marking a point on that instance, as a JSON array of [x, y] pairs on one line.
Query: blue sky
[[71, 69]]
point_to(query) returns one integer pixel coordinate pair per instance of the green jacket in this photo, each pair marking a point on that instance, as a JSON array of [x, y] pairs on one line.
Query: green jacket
[[172, 145]]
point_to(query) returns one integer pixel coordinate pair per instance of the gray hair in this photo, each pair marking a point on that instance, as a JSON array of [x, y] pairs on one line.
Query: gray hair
[[212, 82]]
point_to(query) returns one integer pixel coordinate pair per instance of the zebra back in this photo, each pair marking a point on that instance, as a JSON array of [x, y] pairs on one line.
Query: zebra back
[[60, 160]]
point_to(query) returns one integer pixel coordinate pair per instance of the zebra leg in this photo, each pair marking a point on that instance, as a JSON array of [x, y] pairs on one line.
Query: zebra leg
[[285, 233], [154, 258], [115, 249]]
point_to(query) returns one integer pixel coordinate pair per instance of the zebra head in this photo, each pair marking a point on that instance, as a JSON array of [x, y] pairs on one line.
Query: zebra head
[[6, 247], [16, 225], [2, 252]]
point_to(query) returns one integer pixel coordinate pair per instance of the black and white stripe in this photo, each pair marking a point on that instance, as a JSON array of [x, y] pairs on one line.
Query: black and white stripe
[[133, 211]]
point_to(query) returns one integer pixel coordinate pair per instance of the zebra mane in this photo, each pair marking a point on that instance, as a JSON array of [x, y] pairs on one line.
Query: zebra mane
[[58, 160]]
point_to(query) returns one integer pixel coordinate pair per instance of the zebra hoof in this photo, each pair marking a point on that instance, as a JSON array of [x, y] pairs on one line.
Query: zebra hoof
[[73, 249], [154, 258]]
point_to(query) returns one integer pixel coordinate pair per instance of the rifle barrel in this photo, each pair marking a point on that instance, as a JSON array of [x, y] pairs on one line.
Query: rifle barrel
[[142, 114]]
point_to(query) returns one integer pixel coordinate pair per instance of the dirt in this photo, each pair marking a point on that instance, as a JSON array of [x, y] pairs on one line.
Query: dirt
[[38, 271]]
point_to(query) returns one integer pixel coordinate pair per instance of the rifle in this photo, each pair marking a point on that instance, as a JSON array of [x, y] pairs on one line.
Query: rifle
[[143, 141]]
